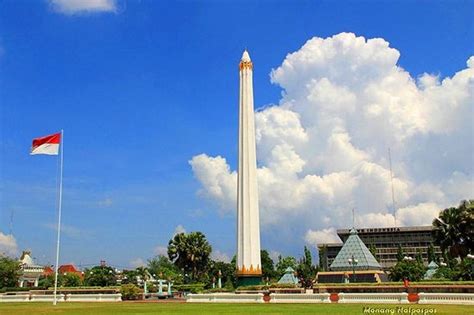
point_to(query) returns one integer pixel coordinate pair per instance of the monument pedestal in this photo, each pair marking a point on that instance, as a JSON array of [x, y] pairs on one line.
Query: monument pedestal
[[249, 280]]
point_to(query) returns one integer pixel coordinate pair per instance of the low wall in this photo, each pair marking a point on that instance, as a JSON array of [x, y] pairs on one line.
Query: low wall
[[94, 297], [46, 298], [392, 298], [14, 298], [61, 298], [299, 298], [446, 298], [225, 298]]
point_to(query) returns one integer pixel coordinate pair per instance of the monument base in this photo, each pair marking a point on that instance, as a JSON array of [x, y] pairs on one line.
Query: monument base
[[249, 280]]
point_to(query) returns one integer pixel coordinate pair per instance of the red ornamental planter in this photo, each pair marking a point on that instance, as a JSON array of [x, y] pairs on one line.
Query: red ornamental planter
[[334, 297], [413, 297], [266, 297]]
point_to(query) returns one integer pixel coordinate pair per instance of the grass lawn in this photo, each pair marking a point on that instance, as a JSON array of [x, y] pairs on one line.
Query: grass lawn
[[183, 308]]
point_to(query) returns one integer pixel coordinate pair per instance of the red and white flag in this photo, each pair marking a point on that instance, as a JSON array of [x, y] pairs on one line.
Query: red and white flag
[[46, 145]]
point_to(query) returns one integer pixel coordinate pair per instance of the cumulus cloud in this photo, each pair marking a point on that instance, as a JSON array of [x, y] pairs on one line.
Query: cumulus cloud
[[161, 250], [137, 262], [217, 255], [321, 236], [8, 245], [179, 229], [323, 149], [70, 7]]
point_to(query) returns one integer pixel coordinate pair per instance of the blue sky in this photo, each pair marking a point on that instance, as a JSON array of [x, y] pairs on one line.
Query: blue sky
[[144, 86]]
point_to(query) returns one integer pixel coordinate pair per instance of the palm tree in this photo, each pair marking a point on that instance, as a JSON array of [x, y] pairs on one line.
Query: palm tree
[[454, 229], [190, 252]]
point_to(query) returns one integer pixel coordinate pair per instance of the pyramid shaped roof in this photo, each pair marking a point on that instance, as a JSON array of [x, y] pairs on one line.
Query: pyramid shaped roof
[[289, 277], [355, 249]]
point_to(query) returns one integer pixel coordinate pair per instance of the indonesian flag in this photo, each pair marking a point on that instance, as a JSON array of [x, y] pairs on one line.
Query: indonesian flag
[[46, 145]]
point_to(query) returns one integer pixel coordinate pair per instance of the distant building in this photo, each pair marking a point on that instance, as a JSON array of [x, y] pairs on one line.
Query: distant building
[[65, 269], [386, 241], [30, 271], [353, 263], [289, 277]]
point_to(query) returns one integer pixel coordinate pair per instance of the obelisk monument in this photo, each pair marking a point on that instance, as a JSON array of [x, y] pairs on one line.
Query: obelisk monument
[[249, 270]]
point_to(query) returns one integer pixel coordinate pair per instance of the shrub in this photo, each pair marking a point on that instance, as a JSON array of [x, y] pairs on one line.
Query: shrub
[[130, 292], [192, 288]]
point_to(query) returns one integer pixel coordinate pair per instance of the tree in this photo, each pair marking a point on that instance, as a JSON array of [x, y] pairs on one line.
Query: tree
[[71, 279], [305, 270], [454, 229], [9, 271], [400, 253], [227, 272], [161, 266], [410, 270], [431, 253], [419, 257], [284, 263], [190, 253], [322, 259], [373, 251], [268, 268], [100, 276]]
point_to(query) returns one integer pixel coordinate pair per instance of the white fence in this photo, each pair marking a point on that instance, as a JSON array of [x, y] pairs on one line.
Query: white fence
[[300, 298], [446, 298], [391, 298], [94, 297], [14, 298], [46, 298], [62, 298], [225, 298]]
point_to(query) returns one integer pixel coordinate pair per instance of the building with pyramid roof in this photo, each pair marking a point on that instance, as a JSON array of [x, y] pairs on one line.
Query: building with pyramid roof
[[289, 277], [353, 263], [354, 250]]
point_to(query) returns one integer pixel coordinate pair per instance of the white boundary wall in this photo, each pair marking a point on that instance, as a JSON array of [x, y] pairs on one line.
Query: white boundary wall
[[391, 298], [94, 297], [98, 297], [46, 298], [225, 298], [446, 298], [300, 298], [14, 298]]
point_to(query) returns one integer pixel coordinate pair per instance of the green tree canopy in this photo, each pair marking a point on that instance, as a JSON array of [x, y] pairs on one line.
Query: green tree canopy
[[9, 271], [100, 276], [284, 263], [410, 270], [454, 229], [190, 253], [305, 269], [71, 279], [268, 268], [161, 267]]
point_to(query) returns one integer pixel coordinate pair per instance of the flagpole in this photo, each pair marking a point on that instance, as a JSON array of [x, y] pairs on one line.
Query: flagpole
[[59, 216]]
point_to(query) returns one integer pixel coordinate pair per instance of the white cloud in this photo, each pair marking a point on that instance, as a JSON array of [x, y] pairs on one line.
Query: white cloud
[[137, 262], [8, 245], [274, 255], [179, 229], [161, 250], [321, 236], [217, 255], [71, 7], [323, 150]]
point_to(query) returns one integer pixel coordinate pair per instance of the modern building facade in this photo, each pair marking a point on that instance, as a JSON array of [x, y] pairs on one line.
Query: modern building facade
[[386, 241]]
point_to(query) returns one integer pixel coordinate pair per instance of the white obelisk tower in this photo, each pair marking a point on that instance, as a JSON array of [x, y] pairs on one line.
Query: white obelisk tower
[[249, 270]]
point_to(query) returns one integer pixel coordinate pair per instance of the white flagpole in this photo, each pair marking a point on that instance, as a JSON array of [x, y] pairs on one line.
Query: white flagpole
[[61, 147]]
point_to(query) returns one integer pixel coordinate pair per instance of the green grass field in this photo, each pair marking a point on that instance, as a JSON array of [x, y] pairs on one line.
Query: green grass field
[[183, 308]]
